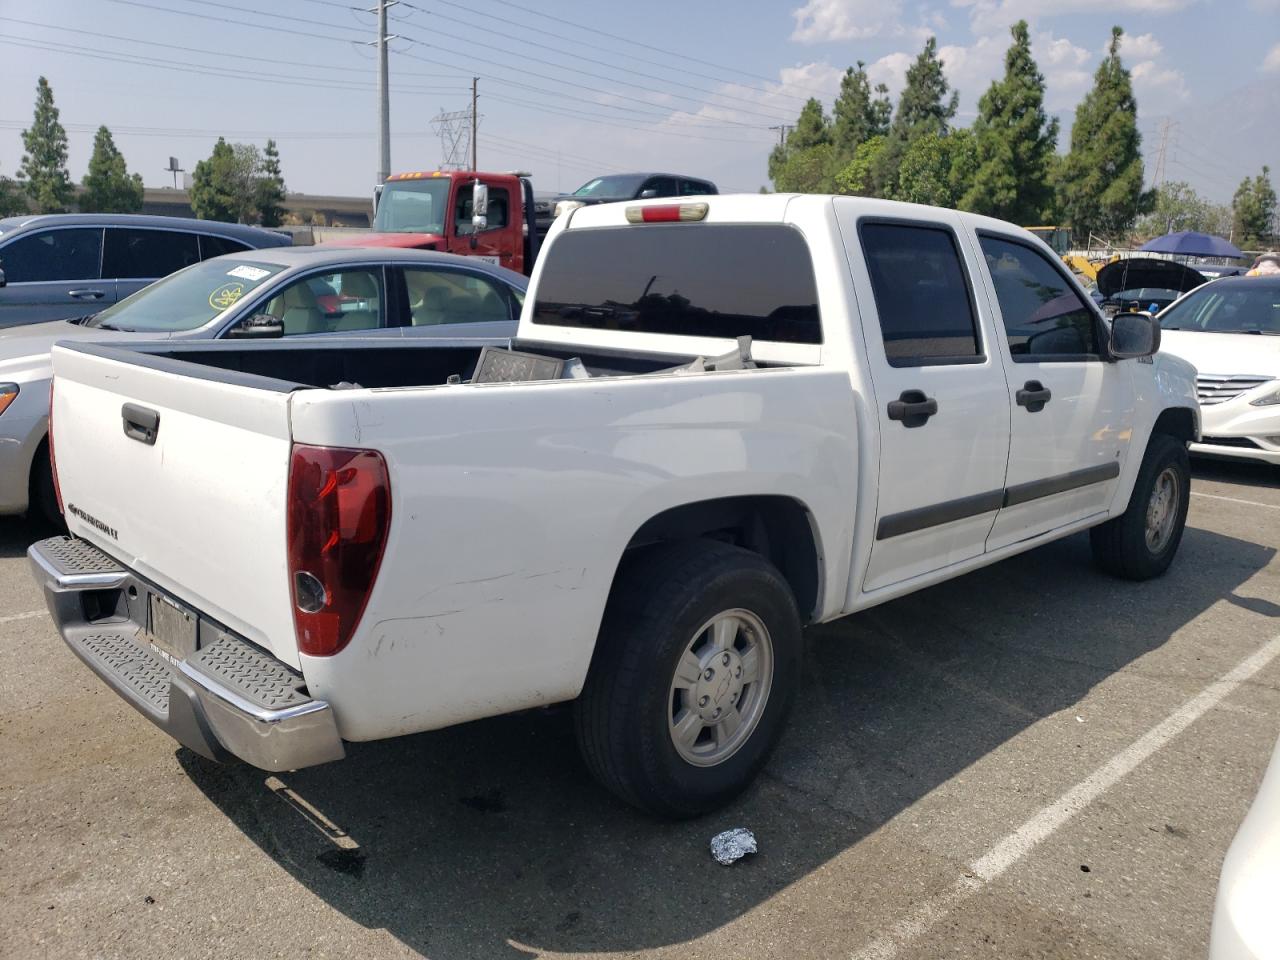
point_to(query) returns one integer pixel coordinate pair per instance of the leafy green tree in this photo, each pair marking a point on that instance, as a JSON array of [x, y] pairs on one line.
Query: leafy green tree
[[1015, 141], [1254, 209], [923, 108], [270, 190], [225, 186], [108, 186], [857, 177], [44, 166], [861, 111], [936, 169], [808, 171], [1100, 183], [1176, 206], [11, 200]]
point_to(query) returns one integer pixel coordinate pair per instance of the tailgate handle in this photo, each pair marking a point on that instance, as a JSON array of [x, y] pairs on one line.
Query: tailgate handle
[[140, 423]]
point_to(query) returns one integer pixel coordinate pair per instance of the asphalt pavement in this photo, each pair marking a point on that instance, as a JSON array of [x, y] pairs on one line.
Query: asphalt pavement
[[1030, 761]]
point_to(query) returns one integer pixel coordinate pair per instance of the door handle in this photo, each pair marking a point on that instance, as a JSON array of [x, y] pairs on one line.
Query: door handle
[[85, 294], [140, 423], [913, 408], [1033, 395]]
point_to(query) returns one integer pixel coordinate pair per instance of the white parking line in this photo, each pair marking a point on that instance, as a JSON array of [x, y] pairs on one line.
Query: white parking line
[[1251, 503], [23, 616], [1013, 848]]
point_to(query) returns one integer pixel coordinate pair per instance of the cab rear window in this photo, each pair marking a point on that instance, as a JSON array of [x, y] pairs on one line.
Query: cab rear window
[[696, 280]]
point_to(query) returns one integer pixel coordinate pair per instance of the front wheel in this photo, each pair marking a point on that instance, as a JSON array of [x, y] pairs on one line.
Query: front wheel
[[1140, 543], [695, 669]]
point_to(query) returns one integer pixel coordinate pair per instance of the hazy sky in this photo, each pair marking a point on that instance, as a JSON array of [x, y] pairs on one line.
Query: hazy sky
[[569, 89]]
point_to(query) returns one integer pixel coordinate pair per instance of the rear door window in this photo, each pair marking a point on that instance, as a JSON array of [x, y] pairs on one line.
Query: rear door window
[[132, 254], [663, 186], [695, 188], [697, 280], [211, 246], [52, 255], [452, 296], [922, 294]]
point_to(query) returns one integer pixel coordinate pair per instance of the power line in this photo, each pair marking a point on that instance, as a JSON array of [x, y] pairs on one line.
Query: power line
[[604, 63], [638, 43], [204, 69]]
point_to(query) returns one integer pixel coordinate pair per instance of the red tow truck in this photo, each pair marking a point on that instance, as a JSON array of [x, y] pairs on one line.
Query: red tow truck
[[487, 215]]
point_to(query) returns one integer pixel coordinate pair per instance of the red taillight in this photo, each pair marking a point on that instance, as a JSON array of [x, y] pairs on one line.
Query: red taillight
[[53, 463], [339, 514]]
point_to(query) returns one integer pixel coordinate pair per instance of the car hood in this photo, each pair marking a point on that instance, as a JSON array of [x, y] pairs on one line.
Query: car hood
[[25, 349], [1224, 353], [403, 241], [1135, 272]]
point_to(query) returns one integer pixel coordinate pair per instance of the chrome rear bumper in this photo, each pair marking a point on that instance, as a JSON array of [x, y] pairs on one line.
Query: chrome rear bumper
[[224, 696]]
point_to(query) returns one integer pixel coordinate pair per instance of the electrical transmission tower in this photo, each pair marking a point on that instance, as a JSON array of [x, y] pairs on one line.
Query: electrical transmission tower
[[454, 130], [1167, 127]]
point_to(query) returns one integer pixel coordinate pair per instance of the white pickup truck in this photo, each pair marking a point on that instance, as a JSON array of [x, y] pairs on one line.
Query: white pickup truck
[[277, 548]]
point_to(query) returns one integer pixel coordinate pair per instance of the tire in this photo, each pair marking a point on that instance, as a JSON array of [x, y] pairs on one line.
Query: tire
[[42, 500], [1141, 543], [668, 603]]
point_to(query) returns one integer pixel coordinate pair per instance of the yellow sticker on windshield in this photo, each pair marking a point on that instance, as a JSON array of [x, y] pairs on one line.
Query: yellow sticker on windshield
[[226, 295]]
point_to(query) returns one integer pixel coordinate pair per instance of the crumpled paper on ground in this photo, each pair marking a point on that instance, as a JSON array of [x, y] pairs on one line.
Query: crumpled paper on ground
[[733, 845]]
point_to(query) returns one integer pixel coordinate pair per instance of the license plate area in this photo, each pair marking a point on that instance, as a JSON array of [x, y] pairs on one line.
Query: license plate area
[[171, 627]]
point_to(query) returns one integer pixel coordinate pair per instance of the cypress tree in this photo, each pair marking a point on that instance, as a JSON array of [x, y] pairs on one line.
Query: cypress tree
[[923, 108], [858, 115], [1015, 141], [1253, 208], [44, 166], [108, 186], [1100, 181], [812, 128], [270, 192]]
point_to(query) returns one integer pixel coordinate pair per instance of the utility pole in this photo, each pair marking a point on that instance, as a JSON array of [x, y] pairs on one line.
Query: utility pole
[[782, 133], [474, 116], [384, 90]]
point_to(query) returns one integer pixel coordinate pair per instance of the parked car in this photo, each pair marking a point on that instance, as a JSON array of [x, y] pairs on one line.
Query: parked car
[[722, 420], [69, 264], [295, 291], [1246, 924], [633, 186], [1141, 283], [1229, 330]]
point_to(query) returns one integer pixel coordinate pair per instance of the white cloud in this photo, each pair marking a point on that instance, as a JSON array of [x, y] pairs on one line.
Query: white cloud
[[1065, 67], [988, 15], [1157, 88], [783, 98], [821, 21], [891, 70], [1271, 62], [1137, 47]]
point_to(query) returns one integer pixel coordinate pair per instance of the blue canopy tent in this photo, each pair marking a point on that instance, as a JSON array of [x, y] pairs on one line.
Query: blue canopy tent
[[1188, 243]]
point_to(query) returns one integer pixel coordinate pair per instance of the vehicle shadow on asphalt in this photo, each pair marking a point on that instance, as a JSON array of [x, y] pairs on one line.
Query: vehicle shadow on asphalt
[[491, 840], [1243, 473], [18, 533]]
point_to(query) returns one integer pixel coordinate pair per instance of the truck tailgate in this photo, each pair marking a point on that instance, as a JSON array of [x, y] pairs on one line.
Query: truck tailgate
[[200, 509]]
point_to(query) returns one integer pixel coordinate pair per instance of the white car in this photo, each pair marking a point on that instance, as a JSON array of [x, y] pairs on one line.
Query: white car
[[1246, 923], [1229, 330], [722, 420]]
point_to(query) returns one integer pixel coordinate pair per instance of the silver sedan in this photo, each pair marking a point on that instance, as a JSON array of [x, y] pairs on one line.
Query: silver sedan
[[282, 292]]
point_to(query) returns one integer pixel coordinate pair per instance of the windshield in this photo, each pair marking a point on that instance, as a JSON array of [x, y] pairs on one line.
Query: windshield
[[413, 206], [611, 188], [1244, 306], [189, 298]]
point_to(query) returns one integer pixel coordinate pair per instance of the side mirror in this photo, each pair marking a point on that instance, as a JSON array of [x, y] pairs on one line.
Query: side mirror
[[3, 281], [1134, 335], [648, 194], [479, 207], [261, 326]]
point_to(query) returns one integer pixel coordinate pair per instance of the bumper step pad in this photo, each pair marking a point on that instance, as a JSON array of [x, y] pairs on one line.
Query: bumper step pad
[[252, 673], [70, 557], [139, 671]]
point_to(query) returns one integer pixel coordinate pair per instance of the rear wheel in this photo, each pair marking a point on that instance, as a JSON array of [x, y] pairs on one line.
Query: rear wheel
[[695, 669], [42, 499], [1141, 542]]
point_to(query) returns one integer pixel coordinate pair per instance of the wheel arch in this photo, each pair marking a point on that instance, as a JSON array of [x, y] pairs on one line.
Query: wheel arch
[[1179, 422], [779, 528]]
